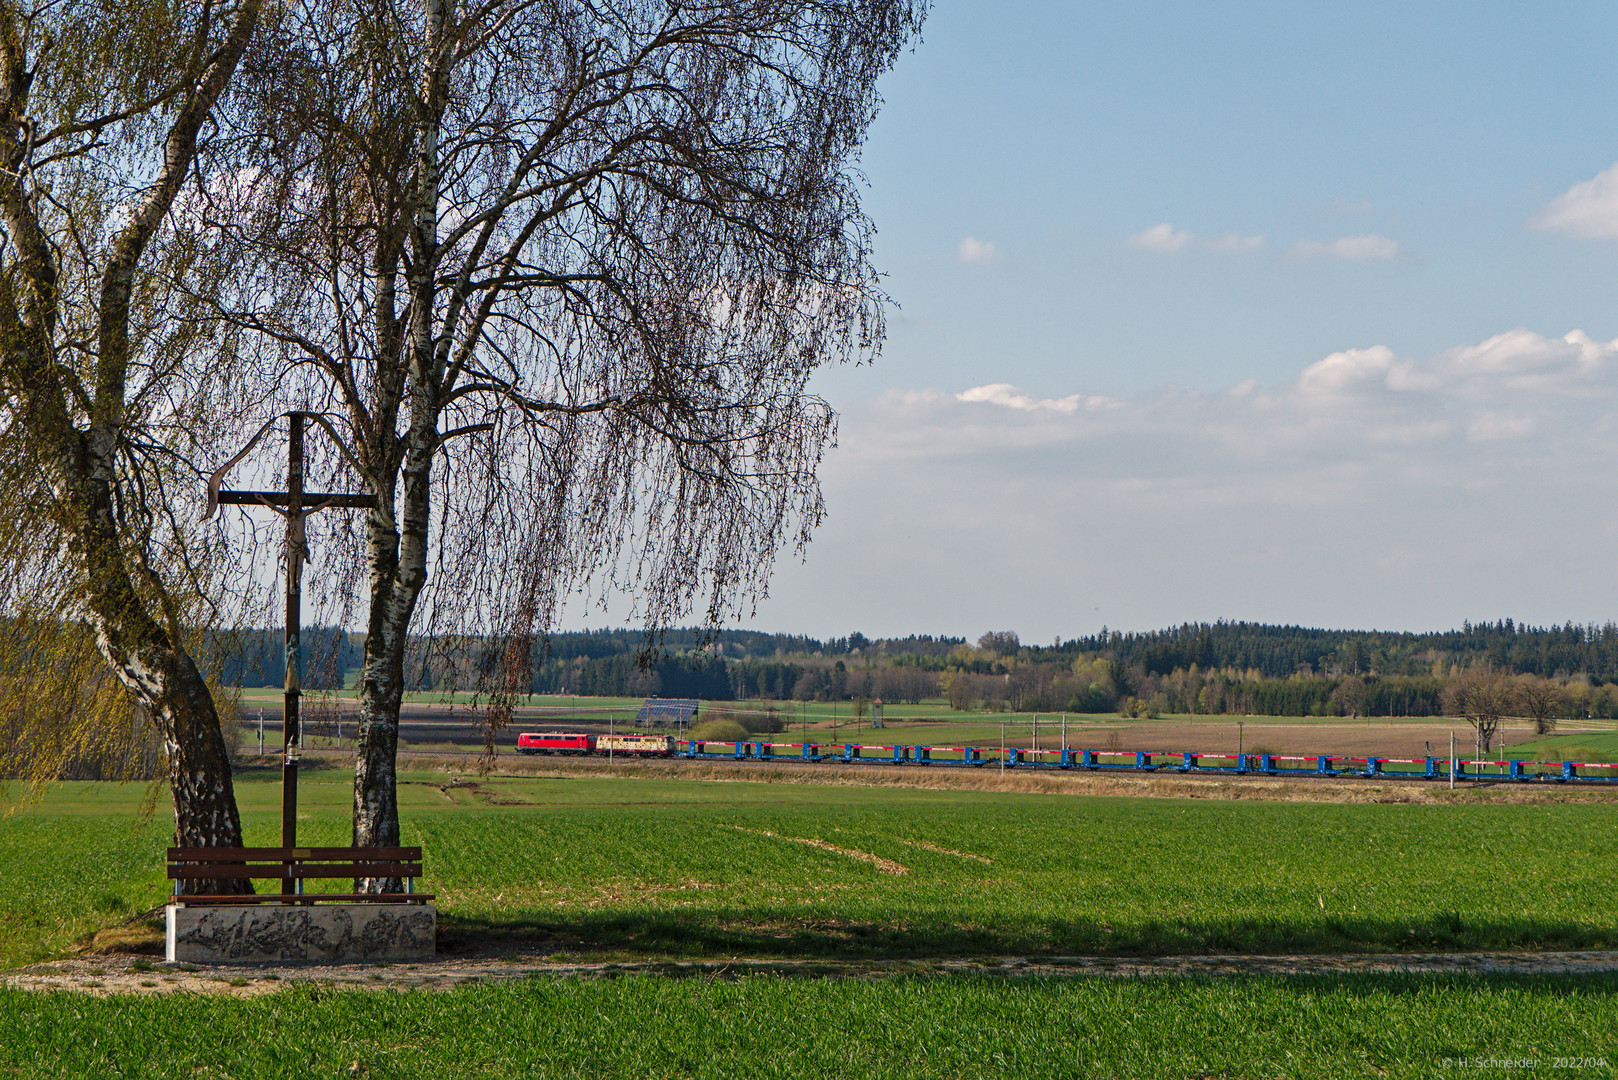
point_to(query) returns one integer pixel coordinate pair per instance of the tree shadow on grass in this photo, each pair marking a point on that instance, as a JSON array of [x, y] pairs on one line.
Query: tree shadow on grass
[[780, 935]]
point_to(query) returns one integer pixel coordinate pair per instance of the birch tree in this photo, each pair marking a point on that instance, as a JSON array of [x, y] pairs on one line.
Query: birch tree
[[563, 269], [101, 109]]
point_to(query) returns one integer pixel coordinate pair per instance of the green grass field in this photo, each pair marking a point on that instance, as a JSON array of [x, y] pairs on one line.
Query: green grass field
[[626, 869], [656, 868], [766, 1027], [1574, 746]]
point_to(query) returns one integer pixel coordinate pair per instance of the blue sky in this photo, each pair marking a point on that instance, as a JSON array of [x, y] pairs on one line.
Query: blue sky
[[1056, 131], [1247, 310]]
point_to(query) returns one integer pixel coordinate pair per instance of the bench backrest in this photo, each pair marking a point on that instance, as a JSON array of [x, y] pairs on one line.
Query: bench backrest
[[194, 863]]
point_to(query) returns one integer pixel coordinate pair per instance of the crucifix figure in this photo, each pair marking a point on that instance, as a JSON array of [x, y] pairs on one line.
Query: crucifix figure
[[294, 504]]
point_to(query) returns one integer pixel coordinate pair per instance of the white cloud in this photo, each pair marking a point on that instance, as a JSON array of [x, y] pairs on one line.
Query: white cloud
[[973, 250], [1370, 489], [1357, 407], [1164, 237], [1493, 426], [1367, 248], [1519, 362], [1012, 398], [1235, 242], [1500, 369], [1588, 209], [1514, 384], [1347, 372]]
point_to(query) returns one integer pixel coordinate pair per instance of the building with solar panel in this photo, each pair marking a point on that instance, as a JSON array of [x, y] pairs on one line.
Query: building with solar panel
[[667, 712]]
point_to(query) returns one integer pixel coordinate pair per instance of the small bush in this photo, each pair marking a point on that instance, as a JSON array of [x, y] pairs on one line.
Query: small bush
[[762, 723], [750, 720], [719, 731]]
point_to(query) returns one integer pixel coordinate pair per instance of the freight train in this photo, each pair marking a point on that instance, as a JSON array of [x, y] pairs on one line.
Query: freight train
[[1313, 765]]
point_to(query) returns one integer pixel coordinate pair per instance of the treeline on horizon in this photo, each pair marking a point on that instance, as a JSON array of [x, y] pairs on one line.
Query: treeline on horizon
[[1221, 667], [257, 657]]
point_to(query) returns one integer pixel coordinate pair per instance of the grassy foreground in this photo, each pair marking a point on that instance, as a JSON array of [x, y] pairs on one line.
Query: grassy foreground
[[760, 1027], [634, 868], [637, 867]]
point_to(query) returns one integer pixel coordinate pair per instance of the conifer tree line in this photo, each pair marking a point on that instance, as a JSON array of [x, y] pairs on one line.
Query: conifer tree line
[[1206, 668], [258, 657]]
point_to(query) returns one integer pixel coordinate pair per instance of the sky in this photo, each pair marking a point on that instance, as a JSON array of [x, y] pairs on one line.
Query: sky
[[1299, 313]]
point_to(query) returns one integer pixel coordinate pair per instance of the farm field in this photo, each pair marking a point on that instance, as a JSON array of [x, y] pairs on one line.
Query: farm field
[[827, 878], [430, 721], [903, 1027], [654, 867]]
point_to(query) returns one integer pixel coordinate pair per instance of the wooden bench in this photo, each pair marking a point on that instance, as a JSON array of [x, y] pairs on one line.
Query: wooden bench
[[292, 867]]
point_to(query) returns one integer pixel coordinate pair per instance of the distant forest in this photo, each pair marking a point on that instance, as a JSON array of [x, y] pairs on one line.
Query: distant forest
[[1222, 667], [258, 657], [1280, 651]]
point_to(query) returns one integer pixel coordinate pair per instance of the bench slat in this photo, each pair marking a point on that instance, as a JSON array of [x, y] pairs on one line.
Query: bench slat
[[254, 854], [278, 898], [298, 870]]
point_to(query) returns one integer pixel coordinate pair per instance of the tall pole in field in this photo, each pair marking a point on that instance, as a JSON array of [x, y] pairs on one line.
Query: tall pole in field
[[293, 504], [1452, 761]]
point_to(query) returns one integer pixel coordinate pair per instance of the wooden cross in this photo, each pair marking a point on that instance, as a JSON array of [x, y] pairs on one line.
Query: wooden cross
[[293, 504]]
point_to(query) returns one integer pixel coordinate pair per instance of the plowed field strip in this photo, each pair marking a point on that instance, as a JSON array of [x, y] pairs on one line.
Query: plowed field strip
[[925, 846], [887, 866]]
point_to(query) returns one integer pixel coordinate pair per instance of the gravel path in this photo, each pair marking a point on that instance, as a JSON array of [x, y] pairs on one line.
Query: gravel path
[[121, 974]]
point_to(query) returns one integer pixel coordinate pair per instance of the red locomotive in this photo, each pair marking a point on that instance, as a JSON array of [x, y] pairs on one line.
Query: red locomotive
[[578, 743], [555, 742]]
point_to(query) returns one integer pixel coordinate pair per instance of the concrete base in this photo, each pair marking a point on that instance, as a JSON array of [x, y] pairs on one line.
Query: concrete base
[[257, 933]]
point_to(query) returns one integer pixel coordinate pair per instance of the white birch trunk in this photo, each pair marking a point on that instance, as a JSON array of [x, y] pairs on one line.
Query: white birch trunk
[[397, 557]]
